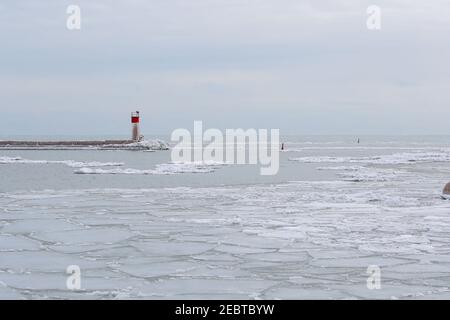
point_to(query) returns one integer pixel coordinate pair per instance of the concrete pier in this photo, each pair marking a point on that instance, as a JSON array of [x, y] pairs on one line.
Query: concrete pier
[[136, 142], [84, 145]]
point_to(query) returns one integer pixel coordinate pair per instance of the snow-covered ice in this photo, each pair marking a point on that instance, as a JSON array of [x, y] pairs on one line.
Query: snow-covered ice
[[160, 169], [216, 232], [395, 158], [70, 163], [290, 240]]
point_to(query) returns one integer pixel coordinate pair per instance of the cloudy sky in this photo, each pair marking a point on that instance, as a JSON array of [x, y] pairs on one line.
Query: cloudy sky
[[303, 66]]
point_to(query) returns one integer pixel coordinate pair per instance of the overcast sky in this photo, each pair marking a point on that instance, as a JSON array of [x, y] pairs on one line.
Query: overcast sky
[[303, 66]]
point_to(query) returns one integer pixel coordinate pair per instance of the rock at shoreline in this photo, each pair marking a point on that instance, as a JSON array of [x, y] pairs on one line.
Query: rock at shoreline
[[446, 191]]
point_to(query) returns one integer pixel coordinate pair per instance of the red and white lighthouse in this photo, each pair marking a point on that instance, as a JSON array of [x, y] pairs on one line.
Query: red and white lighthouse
[[135, 133]]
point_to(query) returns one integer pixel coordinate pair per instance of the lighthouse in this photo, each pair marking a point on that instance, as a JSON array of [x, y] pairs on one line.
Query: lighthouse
[[135, 133]]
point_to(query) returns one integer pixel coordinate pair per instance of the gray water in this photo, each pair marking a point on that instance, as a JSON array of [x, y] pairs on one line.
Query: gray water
[[335, 208]]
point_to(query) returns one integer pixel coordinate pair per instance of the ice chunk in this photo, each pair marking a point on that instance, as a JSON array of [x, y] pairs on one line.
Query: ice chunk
[[70, 163], [160, 169], [396, 158]]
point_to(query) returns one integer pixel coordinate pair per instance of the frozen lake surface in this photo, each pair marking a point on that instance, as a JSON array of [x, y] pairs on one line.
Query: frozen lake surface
[[141, 227]]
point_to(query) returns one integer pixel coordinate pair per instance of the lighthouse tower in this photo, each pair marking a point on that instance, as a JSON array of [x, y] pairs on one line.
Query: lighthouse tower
[[135, 133]]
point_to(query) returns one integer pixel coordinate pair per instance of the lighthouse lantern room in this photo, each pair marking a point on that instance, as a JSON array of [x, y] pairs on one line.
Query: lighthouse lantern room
[[135, 133]]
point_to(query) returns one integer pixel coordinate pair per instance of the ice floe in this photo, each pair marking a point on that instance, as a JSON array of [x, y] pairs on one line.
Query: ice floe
[[301, 239], [69, 163], [396, 158], [288, 240], [370, 174], [160, 169]]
